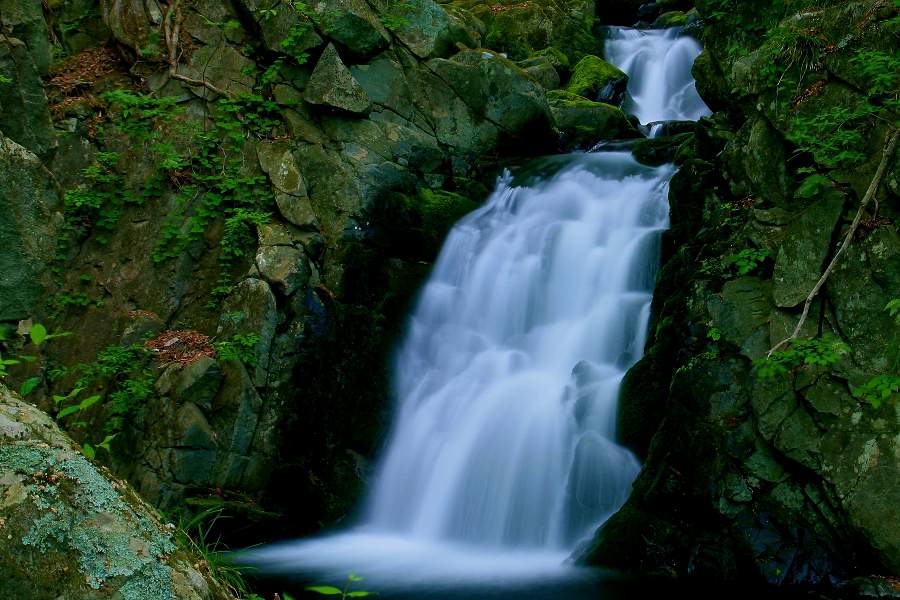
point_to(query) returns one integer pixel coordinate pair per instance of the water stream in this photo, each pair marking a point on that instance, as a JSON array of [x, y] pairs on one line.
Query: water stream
[[502, 456]]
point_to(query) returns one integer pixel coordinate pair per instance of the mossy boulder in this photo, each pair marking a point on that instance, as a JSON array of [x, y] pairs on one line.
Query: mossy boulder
[[672, 18], [72, 531], [519, 28], [24, 114], [598, 80], [583, 123], [352, 24], [660, 150]]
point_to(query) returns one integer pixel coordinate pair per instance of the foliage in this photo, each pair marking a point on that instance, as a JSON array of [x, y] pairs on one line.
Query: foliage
[[834, 136], [823, 351], [97, 203], [240, 347], [196, 533], [879, 389], [813, 186], [394, 17], [5, 79], [747, 260], [38, 336], [345, 592], [125, 373]]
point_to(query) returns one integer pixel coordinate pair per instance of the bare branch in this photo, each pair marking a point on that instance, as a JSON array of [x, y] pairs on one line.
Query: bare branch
[[889, 148], [172, 31]]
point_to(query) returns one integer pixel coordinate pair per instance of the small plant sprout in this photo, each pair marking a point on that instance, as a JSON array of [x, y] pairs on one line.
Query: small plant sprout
[[346, 592]]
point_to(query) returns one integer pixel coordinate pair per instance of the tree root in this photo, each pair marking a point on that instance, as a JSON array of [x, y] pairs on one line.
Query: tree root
[[888, 153]]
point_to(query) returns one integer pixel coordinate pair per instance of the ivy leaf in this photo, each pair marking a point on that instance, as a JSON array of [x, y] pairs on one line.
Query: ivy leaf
[[88, 402], [38, 334], [88, 450], [69, 410], [325, 590], [29, 386]]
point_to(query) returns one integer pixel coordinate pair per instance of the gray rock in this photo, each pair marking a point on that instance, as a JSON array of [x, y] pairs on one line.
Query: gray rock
[[71, 531], [24, 115], [29, 222], [251, 309], [284, 267], [332, 85]]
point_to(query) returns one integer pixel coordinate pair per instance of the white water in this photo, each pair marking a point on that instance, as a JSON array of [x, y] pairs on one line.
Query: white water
[[502, 456], [658, 63]]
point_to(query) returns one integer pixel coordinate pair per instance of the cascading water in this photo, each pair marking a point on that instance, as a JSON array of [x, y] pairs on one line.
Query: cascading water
[[502, 456]]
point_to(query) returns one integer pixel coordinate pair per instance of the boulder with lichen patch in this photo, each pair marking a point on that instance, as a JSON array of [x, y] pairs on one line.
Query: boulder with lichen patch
[[331, 84], [72, 531]]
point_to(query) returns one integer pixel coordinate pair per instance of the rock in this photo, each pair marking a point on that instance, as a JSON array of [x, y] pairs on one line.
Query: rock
[[520, 28], [801, 256], [24, 115], [332, 85], [29, 223], [132, 22], [660, 150], [286, 25], [426, 28], [550, 55], [352, 24], [72, 531], [597, 80], [585, 123], [250, 309], [765, 162], [224, 67], [545, 75], [284, 267], [197, 382], [673, 18], [277, 161], [24, 19]]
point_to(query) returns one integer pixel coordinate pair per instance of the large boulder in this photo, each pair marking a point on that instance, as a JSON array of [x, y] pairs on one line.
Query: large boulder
[[24, 19], [29, 222], [584, 123], [72, 531]]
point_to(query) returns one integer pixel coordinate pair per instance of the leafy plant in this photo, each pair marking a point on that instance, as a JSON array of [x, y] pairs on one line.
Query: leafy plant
[[747, 260], [37, 335], [5, 79], [240, 347], [879, 389], [824, 351], [345, 592]]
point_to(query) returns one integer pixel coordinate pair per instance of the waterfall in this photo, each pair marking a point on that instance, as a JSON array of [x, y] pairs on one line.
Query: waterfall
[[502, 456]]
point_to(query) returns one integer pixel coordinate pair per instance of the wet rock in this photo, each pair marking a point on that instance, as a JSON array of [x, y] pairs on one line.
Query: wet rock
[[197, 382], [332, 85], [72, 531], [287, 23], [597, 80], [132, 22], [427, 29], [673, 18], [584, 123]]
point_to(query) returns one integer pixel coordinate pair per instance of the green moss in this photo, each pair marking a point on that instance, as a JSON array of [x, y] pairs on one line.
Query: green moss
[[591, 75], [440, 210], [673, 18], [557, 58]]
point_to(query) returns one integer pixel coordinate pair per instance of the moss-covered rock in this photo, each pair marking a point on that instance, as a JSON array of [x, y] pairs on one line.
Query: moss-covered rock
[[597, 80], [70, 530], [519, 28], [331, 84], [584, 123]]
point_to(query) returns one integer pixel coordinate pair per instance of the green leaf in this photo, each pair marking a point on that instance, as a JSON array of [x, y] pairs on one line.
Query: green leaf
[[69, 410], [286, 596], [88, 450], [325, 590], [354, 577], [38, 334], [29, 386], [359, 594], [88, 402]]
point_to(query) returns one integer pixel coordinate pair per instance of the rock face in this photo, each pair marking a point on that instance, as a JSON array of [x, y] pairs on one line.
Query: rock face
[[72, 531], [30, 219], [788, 478]]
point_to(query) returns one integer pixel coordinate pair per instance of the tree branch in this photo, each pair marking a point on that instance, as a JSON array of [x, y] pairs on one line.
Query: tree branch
[[888, 153], [172, 30]]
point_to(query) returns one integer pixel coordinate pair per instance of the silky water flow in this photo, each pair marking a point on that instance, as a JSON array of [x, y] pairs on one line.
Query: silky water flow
[[502, 456]]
